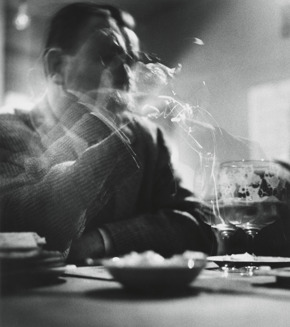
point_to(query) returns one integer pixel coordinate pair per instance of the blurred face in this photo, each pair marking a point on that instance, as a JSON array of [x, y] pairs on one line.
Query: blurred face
[[101, 62]]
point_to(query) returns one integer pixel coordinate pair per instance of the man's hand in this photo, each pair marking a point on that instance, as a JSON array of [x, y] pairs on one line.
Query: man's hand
[[89, 245]]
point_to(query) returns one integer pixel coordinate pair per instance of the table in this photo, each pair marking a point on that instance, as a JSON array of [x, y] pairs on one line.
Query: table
[[211, 300]]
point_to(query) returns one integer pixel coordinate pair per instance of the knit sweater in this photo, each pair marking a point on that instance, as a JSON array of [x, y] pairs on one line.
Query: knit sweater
[[66, 177]]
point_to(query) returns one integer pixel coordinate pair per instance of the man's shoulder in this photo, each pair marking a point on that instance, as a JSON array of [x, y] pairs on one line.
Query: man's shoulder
[[13, 114], [16, 120]]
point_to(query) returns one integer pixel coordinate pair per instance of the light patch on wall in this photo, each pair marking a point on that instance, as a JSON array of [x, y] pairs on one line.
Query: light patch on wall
[[14, 100], [269, 115]]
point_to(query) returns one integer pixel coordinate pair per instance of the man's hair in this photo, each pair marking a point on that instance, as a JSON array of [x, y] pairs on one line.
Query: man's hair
[[67, 24]]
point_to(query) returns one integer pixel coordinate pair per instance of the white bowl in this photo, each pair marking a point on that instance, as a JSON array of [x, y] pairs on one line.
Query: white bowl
[[168, 274]]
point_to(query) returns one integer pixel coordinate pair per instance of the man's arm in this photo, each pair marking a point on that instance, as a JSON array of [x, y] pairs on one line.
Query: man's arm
[[51, 198], [172, 224]]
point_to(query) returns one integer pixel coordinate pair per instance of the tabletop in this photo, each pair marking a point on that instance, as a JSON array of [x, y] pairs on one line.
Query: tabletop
[[213, 299]]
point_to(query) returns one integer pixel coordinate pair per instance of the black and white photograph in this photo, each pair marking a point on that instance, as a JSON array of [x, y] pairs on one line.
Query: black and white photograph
[[144, 163]]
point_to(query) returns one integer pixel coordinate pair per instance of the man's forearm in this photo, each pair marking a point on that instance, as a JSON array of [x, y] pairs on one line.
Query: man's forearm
[[55, 205]]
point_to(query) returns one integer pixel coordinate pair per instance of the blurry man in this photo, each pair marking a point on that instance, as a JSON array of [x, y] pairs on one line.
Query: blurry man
[[80, 169]]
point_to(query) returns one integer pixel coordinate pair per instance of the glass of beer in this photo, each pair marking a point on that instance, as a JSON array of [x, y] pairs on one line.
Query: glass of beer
[[251, 195]]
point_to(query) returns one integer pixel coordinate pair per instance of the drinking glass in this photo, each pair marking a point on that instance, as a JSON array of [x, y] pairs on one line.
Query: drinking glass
[[224, 231], [224, 228], [251, 195]]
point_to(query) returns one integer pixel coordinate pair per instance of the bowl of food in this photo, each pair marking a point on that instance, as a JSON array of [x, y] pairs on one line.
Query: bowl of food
[[149, 271]]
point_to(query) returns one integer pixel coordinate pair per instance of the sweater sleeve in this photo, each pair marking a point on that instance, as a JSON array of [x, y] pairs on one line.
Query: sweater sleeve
[[51, 198]]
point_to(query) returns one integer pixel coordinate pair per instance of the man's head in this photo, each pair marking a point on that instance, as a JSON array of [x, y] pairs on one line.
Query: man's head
[[90, 46]]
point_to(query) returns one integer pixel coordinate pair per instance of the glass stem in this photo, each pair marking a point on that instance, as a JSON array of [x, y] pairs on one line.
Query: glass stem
[[251, 234], [226, 242]]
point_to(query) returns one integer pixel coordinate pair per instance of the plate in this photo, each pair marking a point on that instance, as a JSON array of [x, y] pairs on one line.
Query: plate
[[282, 275], [169, 274], [236, 261]]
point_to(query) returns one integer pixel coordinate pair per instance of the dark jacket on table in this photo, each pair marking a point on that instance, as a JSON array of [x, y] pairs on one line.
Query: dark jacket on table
[[66, 178]]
